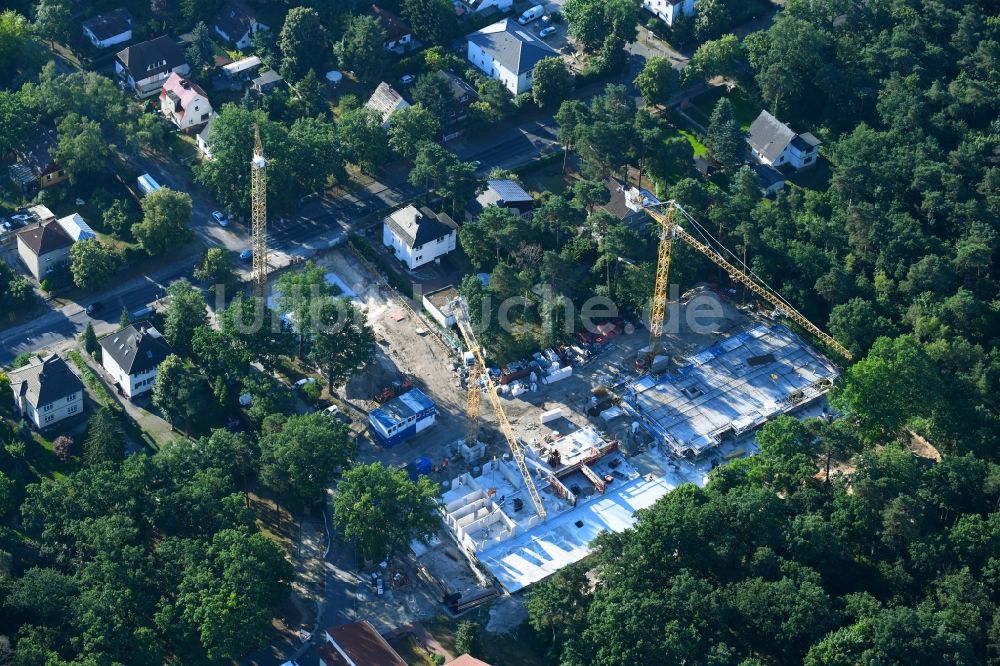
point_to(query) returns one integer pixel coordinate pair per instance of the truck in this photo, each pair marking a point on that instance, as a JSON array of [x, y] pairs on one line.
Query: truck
[[146, 184], [531, 14]]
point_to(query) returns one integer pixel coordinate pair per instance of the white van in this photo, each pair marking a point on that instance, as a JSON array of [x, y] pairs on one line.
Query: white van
[[530, 15]]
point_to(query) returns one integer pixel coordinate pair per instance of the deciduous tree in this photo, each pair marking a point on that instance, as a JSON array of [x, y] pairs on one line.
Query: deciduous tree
[[166, 215], [92, 263], [299, 455], [362, 49], [551, 82]]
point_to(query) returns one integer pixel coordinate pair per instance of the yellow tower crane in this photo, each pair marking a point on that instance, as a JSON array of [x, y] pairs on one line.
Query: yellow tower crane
[[258, 202], [472, 408], [670, 229]]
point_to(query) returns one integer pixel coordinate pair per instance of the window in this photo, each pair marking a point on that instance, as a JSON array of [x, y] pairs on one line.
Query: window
[[72, 409], [47, 408], [50, 418], [71, 397]]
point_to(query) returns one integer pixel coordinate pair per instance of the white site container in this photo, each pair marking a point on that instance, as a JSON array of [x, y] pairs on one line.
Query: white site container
[[550, 415]]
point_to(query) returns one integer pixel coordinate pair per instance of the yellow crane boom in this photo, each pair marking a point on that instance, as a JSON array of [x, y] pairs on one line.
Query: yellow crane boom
[[479, 369], [258, 204], [672, 229]]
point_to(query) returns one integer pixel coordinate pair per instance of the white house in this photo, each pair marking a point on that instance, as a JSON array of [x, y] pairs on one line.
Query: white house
[[46, 391], [398, 33], [419, 236], [184, 103], [109, 29], [43, 248], [204, 137], [236, 23], [669, 10], [502, 6], [386, 101], [131, 356], [144, 67], [507, 51], [774, 143]]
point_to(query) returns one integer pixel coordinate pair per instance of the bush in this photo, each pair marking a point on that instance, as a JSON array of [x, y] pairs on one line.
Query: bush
[[21, 360], [62, 447], [467, 638], [312, 391]]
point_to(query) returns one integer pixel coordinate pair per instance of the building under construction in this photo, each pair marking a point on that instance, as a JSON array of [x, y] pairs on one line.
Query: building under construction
[[728, 390]]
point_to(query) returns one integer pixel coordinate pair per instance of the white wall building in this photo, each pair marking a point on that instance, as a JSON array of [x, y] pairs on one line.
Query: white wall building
[[419, 236], [774, 143], [184, 103], [109, 29], [669, 10], [132, 356], [236, 23], [508, 52], [144, 67], [46, 391]]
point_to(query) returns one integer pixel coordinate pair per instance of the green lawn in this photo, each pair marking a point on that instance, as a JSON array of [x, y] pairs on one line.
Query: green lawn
[[744, 110]]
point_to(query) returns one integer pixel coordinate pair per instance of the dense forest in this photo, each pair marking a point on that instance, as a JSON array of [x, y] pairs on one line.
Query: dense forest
[[891, 559]]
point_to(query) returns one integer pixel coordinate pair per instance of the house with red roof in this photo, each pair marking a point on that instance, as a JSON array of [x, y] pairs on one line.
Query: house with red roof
[[184, 103]]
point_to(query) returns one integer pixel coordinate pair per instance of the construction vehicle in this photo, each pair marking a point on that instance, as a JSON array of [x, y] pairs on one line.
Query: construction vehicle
[[472, 407], [671, 229]]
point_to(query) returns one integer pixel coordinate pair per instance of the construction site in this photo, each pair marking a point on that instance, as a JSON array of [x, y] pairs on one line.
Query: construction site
[[537, 458]]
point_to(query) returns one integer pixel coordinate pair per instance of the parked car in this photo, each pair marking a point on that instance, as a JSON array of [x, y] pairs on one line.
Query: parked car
[[21, 218], [547, 32], [219, 217], [408, 79], [531, 14], [94, 307], [305, 380], [5, 225]]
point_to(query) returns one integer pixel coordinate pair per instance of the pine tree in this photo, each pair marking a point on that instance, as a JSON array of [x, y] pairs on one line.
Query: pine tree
[[105, 440], [90, 342], [724, 139], [125, 318]]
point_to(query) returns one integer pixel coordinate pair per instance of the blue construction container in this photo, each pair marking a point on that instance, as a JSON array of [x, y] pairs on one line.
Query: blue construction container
[[402, 417]]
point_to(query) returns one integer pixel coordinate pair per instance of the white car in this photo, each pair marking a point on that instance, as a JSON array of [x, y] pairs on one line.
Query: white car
[[546, 32], [408, 79], [305, 380], [220, 218]]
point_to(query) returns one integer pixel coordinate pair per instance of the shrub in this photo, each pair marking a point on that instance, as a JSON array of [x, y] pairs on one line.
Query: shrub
[[62, 447]]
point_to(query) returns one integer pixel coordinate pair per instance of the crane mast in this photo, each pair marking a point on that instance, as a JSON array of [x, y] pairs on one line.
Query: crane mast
[[671, 230], [258, 201], [479, 369]]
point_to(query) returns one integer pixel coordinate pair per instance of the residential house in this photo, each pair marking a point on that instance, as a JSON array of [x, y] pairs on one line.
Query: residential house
[[669, 10], [204, 136], [76, 228], [774, 143], [236, 23], [771, 180], [132, 356], [267, 82], [242, 69], [502, 6], [357, 644], [184, 103], [504, 193], [419, 236], [398, 32], [628, 202], [34, 167], [109, 29], [462, 94], [507, 51], [46, 391], [144, 67], [386, 101], [43, 248]]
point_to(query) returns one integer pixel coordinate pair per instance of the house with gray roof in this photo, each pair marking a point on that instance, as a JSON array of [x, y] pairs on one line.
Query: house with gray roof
[[775, 144], [236, 23], [132, 356], [46, 391], [144, 67], [508, 52], [504, 193], [418, 236], [109, 29]]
